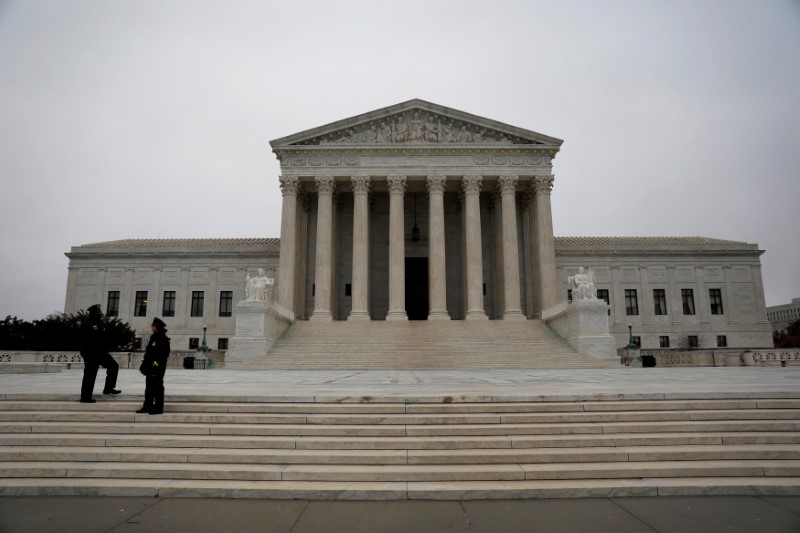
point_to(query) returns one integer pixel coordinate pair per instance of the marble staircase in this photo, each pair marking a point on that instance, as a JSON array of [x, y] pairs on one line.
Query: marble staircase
[[405, 449], [404, 345]]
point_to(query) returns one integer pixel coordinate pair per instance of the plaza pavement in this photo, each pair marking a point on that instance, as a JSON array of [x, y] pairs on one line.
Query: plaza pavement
[[425, 385]]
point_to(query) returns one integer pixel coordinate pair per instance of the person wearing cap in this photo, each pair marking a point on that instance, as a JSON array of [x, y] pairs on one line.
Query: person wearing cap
[[95, 352], [153, 367]]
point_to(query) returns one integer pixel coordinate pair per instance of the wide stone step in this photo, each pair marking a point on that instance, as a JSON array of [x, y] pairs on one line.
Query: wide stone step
[[341, 430], [393, 473], [419, 408], [459, 490], [407, 456], [396, 442], [71, 416]]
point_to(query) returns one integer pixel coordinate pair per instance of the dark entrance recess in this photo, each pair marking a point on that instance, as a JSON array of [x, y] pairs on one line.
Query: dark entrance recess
[[417, 288]]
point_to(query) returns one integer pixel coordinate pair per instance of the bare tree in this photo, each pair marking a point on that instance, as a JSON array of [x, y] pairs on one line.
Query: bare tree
[[691, 342]]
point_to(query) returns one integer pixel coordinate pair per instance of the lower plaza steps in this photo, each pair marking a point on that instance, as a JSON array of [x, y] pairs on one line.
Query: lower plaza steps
[[404, 345], [402, 450]]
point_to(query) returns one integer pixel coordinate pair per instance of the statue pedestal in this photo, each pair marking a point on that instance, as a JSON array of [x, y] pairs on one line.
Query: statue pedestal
[[258, 326], [584, 324]]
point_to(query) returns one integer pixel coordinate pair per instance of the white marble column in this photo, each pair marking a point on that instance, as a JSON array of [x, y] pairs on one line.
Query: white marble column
[[324, 255], [290, 186], [511, 287], [474, 251], [360, 288], [545, 246], [397, 254], [437, 275]]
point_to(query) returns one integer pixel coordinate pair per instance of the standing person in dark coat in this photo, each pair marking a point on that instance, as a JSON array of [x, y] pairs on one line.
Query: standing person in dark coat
[[153, 367], [95, 353]]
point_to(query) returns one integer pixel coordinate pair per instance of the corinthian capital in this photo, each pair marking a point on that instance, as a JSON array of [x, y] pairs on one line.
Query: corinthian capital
[[397, 184], [543, 183], [436, 184], [507, 184], [472, 184], [325, 184], [360, 184], [290, 185]]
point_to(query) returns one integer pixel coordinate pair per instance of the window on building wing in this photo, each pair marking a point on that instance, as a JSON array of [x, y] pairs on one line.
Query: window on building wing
[[140, 304], [715, 296], [112, 307], [659, 302], [631, 303], [687, 297], [197, 303]]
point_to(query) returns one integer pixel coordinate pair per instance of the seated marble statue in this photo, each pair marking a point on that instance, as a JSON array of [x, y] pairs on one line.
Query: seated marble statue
[[258, 288], [582, 285]]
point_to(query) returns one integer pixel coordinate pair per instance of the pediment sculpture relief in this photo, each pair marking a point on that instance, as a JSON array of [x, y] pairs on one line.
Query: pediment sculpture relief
[[417, 127]]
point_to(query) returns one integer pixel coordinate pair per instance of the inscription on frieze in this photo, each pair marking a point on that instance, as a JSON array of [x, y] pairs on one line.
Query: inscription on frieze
[[410, 161]]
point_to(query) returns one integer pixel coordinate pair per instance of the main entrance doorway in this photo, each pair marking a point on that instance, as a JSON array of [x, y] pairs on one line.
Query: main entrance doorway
[[417, 303]]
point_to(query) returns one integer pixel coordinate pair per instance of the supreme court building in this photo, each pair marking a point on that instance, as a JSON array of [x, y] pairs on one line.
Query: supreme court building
[[422, 212]]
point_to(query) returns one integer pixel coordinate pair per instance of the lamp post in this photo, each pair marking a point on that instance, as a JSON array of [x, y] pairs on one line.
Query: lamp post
[[631, 344], [202, 351]]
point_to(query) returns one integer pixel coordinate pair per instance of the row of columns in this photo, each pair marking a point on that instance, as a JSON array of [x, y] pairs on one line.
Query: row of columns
[[471, 184]]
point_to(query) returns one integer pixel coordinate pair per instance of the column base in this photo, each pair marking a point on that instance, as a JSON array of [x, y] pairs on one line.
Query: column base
[[321, 316], [476, 314], [397, 315], [358, 315], [514, 314], [438, 315]]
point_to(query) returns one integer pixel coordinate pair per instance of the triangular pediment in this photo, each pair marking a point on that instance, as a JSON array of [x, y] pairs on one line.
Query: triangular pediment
[[415, 122]]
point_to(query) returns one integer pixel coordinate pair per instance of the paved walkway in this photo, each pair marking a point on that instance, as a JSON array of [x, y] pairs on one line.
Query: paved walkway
[[664, 515], [429, 385]]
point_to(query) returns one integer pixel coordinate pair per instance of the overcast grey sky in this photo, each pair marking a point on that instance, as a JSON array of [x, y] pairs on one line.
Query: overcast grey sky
[[151, 119]]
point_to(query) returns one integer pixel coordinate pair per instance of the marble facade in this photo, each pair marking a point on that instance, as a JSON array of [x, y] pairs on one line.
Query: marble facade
[[421, 212]]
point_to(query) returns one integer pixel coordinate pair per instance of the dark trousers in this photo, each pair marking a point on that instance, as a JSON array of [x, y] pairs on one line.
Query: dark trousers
[[154, 392], [90, 367]]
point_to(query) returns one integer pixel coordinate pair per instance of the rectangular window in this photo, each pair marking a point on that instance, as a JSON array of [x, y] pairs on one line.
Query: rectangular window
[[722, 341], [112, 307], [637, 341], [222, 343], [140, 307], [169, 304], [631, 303], [226, 303], [197, 303], [569, 295], [194, 343], [687, 296], [659, 302], [663, 341], [348, 289], [715, 295], [602, 294], [693, 341]]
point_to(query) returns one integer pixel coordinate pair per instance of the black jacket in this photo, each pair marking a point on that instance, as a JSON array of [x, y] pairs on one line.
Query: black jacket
[[93, 341], [156, 355]]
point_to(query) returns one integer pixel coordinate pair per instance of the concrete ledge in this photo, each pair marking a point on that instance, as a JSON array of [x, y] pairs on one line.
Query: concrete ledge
[[32, 368]]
